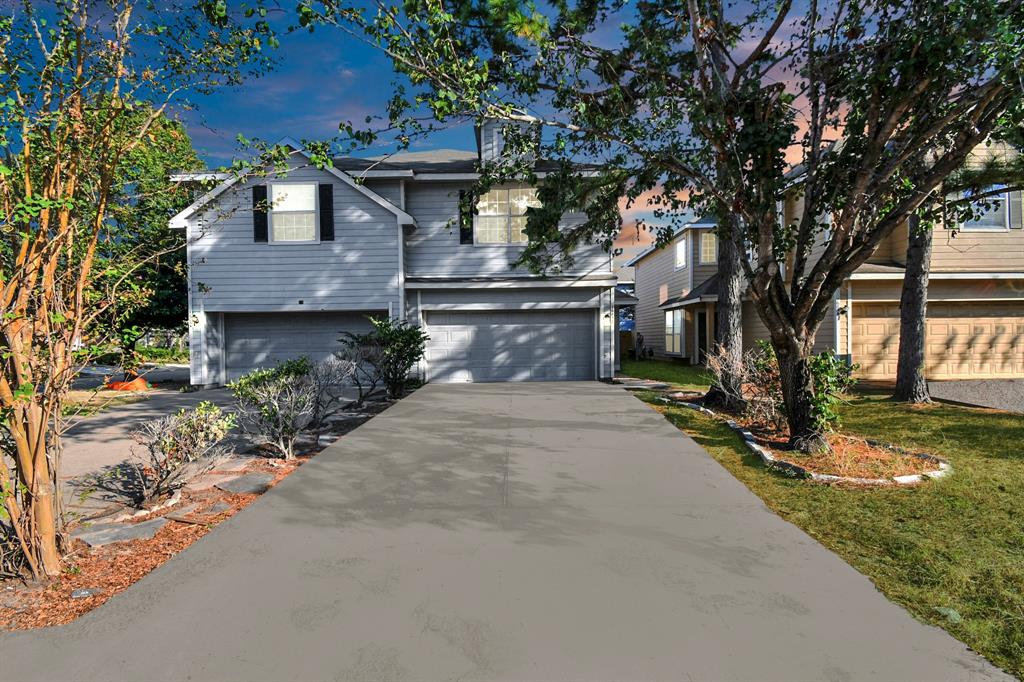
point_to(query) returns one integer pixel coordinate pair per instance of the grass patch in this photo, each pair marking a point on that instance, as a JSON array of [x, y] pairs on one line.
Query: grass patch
[[950, 551], [688, 377], [85, 403]]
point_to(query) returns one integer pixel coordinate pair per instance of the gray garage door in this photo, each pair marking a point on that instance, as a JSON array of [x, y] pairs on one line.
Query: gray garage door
[[255, 340], [555, 345]]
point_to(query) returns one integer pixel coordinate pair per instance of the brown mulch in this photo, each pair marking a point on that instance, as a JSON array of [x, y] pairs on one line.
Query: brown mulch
[[849, 456], [113, 568]]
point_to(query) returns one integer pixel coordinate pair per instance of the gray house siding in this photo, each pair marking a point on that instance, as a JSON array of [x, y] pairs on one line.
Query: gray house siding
[[433, 249], [230, 272]]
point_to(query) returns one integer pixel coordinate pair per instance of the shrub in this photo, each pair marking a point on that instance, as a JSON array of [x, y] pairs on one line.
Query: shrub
[[387, 354], [329, 379], [177, 448], [276, 405], [832, 377], [360, 353]]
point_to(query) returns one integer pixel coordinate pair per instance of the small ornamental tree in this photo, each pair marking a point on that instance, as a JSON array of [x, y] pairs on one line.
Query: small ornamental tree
[[389, 352], [707, 106], [74, 77]]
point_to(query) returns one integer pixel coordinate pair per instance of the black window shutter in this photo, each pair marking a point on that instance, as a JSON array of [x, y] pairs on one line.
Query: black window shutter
[[259, 213], [465, 220], [327, 213]]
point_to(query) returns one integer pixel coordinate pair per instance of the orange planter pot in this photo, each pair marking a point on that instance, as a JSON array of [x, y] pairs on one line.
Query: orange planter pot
[[136, 384]]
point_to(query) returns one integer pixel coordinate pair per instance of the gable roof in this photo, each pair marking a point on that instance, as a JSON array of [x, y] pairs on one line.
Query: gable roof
[[700, 223], [180, 220]]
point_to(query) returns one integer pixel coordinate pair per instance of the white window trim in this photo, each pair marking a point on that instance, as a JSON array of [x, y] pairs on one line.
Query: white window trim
[[677, 318], [962, 226], [681, 246], [508, 225], [271, 211], [700, 248]]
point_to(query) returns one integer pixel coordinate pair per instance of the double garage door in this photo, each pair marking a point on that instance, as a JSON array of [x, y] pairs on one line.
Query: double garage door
[[254, 340], [464, 346], [963, 340], [549, 345]]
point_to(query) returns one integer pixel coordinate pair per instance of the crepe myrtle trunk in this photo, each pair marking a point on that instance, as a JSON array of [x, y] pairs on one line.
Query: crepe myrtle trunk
[[911, 385], [730, 321]]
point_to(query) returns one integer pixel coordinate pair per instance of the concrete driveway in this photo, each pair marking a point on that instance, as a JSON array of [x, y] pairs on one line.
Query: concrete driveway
[[502, 531]]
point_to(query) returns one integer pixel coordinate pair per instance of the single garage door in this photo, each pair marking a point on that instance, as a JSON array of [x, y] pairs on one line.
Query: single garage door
[[253, 340], [550, 345], [964, 340]]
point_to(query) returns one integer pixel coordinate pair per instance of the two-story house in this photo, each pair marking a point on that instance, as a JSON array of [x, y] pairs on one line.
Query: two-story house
[[280, 266], [975, 325]]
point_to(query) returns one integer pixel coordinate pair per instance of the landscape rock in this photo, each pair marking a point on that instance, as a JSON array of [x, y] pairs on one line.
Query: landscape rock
[[84, 592], [108, 533], [208, 481], [247, 483], [183, 513]]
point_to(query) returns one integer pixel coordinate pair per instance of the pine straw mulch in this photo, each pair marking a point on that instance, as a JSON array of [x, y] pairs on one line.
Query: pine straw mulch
[[850, 456], [113, 568]]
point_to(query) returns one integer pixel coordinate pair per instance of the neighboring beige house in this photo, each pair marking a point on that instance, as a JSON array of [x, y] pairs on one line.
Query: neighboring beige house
[[975, 325]]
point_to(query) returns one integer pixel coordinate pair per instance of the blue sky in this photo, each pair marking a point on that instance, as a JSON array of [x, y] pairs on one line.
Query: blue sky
[[323, 78]]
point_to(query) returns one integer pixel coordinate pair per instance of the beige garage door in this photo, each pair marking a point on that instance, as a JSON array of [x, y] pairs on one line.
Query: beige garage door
[[964, 340]]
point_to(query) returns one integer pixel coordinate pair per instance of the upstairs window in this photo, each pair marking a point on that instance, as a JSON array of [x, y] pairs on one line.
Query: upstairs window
[[501, 215], [708, 247], [681, 252], [293, 212], [992, 213]]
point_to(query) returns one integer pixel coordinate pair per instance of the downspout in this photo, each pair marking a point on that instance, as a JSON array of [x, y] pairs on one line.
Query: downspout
[[401, 254]]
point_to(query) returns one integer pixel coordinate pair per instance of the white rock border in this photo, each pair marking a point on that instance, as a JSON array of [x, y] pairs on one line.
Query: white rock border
[[773, 462]]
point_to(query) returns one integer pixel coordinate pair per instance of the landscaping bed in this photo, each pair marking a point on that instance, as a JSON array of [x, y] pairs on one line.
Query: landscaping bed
[[951, 552], [94, 574], [850, 460]]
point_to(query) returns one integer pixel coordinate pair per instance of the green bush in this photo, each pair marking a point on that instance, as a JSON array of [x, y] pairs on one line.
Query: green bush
[[832, 377], [276, 405], [387, 354]]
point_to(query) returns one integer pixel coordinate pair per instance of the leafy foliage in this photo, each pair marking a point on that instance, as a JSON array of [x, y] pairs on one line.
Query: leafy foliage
[[177, 448], [697, 108], [833, 377], [387, 354]]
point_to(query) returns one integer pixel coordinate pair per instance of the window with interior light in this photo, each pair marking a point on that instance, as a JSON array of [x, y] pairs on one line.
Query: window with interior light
[[708, 247], [674, 331], [501, 215], [292, 212], [681, 253]]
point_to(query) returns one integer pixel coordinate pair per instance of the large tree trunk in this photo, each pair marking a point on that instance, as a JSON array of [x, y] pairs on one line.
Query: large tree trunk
[[911, 385], [730, 320], [797, 393]]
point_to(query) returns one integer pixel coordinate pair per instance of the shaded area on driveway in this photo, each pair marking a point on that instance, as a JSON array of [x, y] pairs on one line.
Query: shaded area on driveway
[[502, 531], [999, 394]]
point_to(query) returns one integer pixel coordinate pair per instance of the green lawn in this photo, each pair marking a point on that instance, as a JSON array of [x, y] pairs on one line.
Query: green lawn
[[675, 373], [950, 551]]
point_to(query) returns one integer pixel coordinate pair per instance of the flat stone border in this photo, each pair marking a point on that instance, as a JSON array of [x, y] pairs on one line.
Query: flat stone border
[[773, 462]]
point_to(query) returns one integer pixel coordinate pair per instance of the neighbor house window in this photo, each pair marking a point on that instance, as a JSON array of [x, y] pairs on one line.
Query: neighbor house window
[[501, 215], [992, 213], [681, 252], [708, 247], [293, 212], [674, 331]]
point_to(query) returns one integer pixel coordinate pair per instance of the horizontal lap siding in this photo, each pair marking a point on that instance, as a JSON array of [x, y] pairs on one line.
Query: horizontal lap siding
[[656, 270], [433, 249], [356, 271], [511, 298], [978, 251]]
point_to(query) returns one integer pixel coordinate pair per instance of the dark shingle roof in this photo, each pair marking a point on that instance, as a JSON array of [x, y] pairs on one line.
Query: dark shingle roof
[[434, 161]]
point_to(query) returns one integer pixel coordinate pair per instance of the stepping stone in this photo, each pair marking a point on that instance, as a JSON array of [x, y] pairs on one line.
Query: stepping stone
[[182, 514], [85, 592], [646, 386], [247, 483], [207, 481], [235, 464], [218, 508], [108, 533]]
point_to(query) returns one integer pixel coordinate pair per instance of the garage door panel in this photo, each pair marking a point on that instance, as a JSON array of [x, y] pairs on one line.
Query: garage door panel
[[510, 346], [963, 340], [255, 340]]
